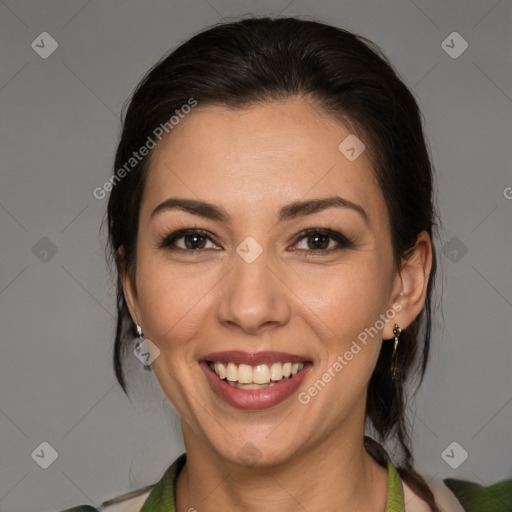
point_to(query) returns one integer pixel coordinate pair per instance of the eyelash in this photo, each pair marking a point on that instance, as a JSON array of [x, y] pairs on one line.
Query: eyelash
[[342, 241]]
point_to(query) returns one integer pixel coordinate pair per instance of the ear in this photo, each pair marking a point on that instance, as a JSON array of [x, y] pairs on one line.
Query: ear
[[128, 284], [410, 285]]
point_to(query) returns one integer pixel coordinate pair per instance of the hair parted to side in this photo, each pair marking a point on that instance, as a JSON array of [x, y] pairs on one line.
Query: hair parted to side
[[347, 78]]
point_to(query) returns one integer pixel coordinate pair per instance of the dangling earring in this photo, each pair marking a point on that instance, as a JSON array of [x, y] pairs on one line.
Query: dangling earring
[[141, 350], [394, 369], [140, 337]]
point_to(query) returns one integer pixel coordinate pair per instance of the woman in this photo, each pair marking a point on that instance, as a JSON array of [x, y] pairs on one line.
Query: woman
[[271, 217]]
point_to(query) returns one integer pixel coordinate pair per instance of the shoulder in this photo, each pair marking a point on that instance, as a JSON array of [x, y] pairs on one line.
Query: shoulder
[[135, 500], [444, 499], [81, 508], [129, 505], [126, 505]]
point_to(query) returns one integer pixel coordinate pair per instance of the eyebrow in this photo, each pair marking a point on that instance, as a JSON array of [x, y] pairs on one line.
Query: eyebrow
[[288, 212]]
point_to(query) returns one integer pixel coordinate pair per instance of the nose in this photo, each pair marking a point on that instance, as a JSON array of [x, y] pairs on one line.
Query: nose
[[254, 299]]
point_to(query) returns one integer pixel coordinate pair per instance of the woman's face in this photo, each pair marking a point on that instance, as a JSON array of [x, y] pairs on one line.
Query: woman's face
[[246, 282]]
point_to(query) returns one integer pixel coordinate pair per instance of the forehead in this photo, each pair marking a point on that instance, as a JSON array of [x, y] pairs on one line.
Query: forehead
[[268, 152]]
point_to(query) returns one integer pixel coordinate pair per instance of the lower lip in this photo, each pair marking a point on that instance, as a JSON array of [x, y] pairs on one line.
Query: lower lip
[[254, 399]]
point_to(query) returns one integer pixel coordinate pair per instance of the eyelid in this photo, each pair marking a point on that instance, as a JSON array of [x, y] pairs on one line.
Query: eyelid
[[167, 239], [342, 241]]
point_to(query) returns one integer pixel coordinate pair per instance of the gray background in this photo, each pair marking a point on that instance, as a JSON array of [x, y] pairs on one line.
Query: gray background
[[59, 129]]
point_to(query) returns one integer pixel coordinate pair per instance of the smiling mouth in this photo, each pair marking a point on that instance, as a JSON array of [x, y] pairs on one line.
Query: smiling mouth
[[244, 376]]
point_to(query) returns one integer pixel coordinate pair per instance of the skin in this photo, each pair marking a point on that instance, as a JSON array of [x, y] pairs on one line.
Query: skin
[[252, 162]]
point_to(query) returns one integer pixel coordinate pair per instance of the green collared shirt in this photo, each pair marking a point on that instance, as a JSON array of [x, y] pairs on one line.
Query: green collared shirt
[[161, 498]]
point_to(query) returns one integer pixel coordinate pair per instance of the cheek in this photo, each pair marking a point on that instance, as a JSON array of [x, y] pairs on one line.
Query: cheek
[[174, 302], [341, 314], [344, 301], [175, 306]]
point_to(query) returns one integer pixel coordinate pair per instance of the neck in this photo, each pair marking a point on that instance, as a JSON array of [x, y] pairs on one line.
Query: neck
[[336, 474]]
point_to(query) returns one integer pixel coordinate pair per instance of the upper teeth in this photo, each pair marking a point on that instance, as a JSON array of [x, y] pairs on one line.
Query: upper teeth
[[260, 374]]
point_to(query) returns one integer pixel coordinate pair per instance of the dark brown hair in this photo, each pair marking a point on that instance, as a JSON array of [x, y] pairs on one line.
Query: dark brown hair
[[347, 78]]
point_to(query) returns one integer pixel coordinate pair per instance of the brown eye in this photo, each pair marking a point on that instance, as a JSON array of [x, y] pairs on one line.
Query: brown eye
[[186, 240], [320, 240], [194, 241]]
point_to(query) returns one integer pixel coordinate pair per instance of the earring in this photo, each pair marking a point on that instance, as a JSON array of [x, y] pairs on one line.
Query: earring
[[141, 350], [140, 336], [394, 369], [145, 351]]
